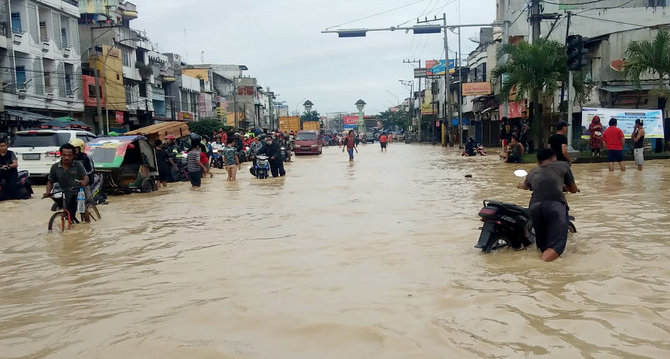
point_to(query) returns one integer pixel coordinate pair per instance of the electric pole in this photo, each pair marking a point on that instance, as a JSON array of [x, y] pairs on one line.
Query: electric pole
[[447, 84], [420, 101], [535, 19]]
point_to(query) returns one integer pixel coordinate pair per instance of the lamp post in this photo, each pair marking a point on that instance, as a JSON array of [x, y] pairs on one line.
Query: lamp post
[[360, 105]]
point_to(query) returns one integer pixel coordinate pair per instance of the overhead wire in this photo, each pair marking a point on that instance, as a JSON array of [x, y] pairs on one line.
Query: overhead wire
[[377, 14]]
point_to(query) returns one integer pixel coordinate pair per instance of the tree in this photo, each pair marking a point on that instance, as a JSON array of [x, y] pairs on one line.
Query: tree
[[310, 116], [400, 118], [206, 127], [535, 70], [652, 57]]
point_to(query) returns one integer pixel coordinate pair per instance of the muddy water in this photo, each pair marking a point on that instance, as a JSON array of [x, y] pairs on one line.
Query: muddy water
[[371, 259]]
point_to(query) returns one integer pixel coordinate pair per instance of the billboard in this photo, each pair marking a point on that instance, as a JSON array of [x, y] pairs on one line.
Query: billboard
[[436, 68], [476, 89], [653, 120], [420, 73], [350, 121]]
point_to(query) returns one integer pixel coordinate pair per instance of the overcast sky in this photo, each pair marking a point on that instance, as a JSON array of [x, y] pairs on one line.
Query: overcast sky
[[282, 44]]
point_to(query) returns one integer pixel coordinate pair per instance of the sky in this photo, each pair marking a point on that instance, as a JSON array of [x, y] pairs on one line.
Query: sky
[[281, 43]]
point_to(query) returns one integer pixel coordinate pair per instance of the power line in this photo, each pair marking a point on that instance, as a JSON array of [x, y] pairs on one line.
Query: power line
[[608, 20], [571, 4], [377, 14]]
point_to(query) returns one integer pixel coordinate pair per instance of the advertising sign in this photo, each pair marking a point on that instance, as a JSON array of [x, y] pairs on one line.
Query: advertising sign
[[118, 116], [515, 109], [420, 73], [476, 89], [652, 119], [350, 121], [436, 68]]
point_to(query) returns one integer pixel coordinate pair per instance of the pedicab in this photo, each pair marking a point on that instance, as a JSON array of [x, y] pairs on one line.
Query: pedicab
[[127, 163]]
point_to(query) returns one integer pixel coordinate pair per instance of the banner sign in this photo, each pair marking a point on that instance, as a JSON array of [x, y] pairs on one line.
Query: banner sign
[[420, 73], [476, 89], [515, 109], [652, 119], [350, 121], [118, 117], [436, 68]]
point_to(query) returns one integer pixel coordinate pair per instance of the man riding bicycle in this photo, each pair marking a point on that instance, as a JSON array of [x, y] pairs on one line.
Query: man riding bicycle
[[83, 158], [70, 175]]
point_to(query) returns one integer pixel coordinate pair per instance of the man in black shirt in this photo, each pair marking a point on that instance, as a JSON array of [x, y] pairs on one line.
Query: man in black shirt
[[273, 151], [548, 208], [8, 168], [559, 143]]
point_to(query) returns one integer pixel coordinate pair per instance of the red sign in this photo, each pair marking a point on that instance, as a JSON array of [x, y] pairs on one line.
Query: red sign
[[517, 109], [350, 120], [119, 117]]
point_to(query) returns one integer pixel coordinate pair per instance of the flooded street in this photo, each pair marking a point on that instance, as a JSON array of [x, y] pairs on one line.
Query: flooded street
[[370, 259]]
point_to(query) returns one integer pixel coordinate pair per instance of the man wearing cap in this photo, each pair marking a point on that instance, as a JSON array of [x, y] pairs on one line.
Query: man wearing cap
[[559, 143]]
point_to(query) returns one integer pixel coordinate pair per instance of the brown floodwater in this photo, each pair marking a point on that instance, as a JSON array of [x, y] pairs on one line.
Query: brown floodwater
[[370, 259]]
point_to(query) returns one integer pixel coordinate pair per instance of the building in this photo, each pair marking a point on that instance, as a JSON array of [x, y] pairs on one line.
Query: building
[[106, 24], [39, 56]]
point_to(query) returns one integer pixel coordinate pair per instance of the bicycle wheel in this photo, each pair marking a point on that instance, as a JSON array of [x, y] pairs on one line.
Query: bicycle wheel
[[93, 212], [60, 221]]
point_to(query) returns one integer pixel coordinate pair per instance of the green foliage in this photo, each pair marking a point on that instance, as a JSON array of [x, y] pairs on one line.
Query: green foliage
[[649, 57], [536, 67], [310, 116], [400, 118], [206, 127]]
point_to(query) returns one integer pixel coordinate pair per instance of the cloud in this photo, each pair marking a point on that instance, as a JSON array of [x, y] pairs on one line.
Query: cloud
[[282, 44]]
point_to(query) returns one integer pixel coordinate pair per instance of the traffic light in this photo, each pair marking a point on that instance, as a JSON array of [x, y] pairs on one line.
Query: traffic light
[[576, 52]]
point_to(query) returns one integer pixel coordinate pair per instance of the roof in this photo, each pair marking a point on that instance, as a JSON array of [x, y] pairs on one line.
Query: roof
[[116, 139], [28, 116]]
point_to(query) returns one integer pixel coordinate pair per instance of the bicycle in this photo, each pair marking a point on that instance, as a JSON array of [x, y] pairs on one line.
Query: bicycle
[[63, 219]]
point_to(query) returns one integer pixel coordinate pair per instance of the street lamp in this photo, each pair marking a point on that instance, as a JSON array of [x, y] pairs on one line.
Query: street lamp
[[308, 106], [360, 105]]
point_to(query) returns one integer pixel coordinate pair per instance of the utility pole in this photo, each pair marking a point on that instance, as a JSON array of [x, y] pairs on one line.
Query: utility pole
[[460, 89], [535, 19], [235, 101], [98, 95], [447, 82], [420, 101], [567, 33]]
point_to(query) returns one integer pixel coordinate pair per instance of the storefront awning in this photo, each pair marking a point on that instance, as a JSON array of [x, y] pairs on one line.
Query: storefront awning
[[27, 116]]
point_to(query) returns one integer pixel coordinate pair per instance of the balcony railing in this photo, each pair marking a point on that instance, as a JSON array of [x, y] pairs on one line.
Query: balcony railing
[[72, 2]]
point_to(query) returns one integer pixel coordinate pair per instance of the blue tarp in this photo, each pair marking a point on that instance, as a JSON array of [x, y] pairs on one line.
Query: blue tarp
[[466, 122]]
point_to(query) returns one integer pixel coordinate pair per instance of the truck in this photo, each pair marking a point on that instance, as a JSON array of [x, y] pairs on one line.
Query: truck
[[311, 125], [289, 123]]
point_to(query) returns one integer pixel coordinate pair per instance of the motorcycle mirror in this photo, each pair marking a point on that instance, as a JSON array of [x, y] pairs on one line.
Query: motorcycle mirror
[[520, 173]]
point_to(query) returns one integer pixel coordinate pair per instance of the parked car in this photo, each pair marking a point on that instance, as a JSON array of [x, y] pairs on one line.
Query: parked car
[[398, 136], [37, 150], [308, 142]]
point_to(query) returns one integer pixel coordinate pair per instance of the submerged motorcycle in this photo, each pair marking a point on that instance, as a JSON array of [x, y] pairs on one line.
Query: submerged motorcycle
[[261, 167], [217, 159], [508, 225], [22, 187]]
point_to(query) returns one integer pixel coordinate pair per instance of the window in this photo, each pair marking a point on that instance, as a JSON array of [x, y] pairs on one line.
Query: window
[[47, 81], [129, 94], [63, 34], [16, 23], [126, 58], [44, 37], [68, 79], [20, 77], [91, 90], [143, 90]]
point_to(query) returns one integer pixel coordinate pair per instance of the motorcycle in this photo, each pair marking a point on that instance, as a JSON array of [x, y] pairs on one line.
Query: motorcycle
[[261, 167], [285, 154], [508, 225], [98, 197], [217, 159], [22, 187]]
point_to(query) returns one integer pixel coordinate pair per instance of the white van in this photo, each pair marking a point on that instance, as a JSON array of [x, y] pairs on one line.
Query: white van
[[37, 150]]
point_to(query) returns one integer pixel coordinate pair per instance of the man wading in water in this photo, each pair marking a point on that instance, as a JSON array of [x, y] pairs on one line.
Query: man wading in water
[[548, 208]]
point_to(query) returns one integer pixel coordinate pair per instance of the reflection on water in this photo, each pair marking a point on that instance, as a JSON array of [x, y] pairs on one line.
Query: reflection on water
[[373, 258]]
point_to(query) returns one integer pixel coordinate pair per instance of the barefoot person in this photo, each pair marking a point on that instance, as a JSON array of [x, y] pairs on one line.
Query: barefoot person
[[548, 208]]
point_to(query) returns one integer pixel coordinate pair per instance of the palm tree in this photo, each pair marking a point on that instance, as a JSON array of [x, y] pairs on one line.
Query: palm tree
[[535, 70], [652, 57]]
